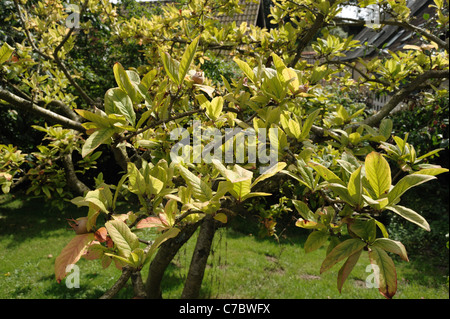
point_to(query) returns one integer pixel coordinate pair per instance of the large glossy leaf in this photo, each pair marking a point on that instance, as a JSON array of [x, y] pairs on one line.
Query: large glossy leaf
[[97, 138], [124, 82], [118, 102], [308, 124], [171, 67], [246, 69], [406, 183], [342, 251], [365, 229], [325, 173], [354, 187], [99, 118], [187, 58], [347, 268], [71, 254], [5, 52], [214, 109], [137, 183], [392, 246], [200, 190], [378, 174], [123, 238], [386, 275], [409, 215], [315, 240]]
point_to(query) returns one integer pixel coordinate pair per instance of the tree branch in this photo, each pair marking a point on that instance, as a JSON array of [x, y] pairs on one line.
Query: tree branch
[[25, 105], [72, 180], [400, 95], [118, 285]]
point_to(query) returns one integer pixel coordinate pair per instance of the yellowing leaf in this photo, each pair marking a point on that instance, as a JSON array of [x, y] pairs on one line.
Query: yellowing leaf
[[378, 174], [187, 58], [5, 52], [385, 273], [246, 69], [221, 217], [123, 238], [392, 246], [101, 136], [410, 215]]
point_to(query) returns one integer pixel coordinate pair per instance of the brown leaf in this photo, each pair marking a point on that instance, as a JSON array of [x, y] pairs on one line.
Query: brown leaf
[[71, 254]]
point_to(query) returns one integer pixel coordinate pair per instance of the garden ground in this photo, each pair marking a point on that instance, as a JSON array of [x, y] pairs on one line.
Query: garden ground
[[32, 233]]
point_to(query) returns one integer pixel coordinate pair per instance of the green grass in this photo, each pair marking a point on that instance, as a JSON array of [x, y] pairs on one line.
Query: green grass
[[32, 234]]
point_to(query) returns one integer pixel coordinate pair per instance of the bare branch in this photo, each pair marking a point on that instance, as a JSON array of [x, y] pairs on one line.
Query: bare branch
[[400, 95], [119, 284], [25, 105]]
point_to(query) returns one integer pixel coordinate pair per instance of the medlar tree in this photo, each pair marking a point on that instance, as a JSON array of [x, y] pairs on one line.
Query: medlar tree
[[180, 139]]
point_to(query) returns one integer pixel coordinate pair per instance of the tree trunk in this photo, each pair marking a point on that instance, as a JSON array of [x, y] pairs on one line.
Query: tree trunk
[[73, 182], [162, 259], [199, 258]]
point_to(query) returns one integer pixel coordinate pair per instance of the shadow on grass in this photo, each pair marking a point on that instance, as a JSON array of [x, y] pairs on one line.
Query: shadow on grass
[[22, 218]]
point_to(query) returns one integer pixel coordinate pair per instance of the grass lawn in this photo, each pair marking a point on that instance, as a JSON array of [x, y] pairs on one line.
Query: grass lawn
[[33, 233]]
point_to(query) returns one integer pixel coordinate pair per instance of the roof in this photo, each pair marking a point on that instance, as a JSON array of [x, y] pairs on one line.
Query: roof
[[250, 15], [390, 37]]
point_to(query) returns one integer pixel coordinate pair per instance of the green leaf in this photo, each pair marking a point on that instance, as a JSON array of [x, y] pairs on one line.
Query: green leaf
[[214, 109], [187, 58], [409, 215], [365, 229], [378, 174], [171, 67], [308, 124], [99, 118], [347, 268], [123, 238], [342, 192], [385, 128], [342, 251], [96, 139], [171, 233], [316, 240], [137, 183], [392, 246], [124, 82], [304, 210], [431, 171], [385, 275], [246, 69], [269, 173], [325, 173], [200, 190], [154, 185], [5, 52], [118, 102], [354, 187], [406, 183]]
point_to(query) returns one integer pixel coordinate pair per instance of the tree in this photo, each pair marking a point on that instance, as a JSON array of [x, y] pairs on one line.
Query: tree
[[191, 153]]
